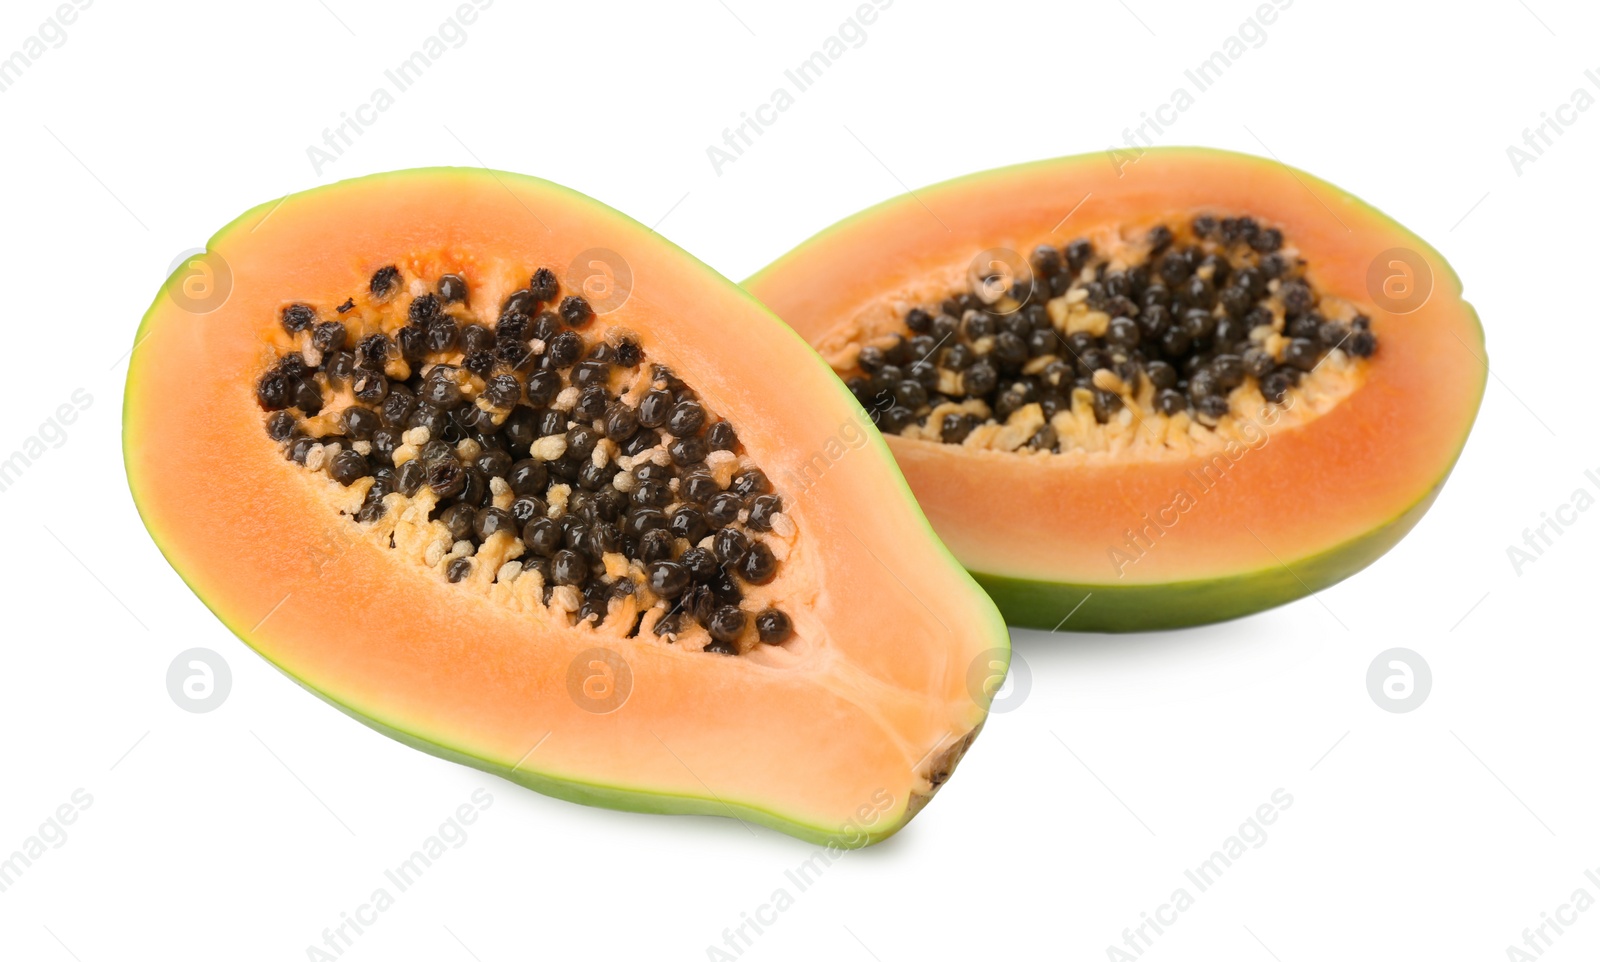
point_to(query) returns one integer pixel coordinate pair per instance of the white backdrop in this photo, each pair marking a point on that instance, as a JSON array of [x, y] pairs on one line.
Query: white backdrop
[[134, 131]]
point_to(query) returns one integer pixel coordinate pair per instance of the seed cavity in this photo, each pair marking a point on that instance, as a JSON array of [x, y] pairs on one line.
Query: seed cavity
[[532, 453], [1188, 324]]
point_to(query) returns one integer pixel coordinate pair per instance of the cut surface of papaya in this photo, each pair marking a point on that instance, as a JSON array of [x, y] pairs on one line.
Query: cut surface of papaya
[[505, 475], [1147, 391]]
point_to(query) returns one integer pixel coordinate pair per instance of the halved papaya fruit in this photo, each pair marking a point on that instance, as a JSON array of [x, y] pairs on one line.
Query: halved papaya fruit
[[1140, 391], [505, 475]]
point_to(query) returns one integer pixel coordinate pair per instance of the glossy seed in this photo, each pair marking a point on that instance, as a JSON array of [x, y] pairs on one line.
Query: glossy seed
[[979, 379], [569, 568], [328, 337], [1301, 353], [1228, 369], [688, 451], [1171, 402], [1332, 334], [686, 418], [621, 422], [521, 427], [697, 487], [502, 391], [591, 374], [413, 341], [280, 427], [655, 545], [385, 281], [358, 423], [348, 467], [490, 520], [273, 391], [424, 308], [1078, 253], [954, 428], [544, 285], [447, 477], [654, 408], [762, 510], [409, 478], [370, 387], [1275, 386], [726, 624], [575, 311], [1362, 343], [441, 334], [773, 627], [452, 288], [730, 545], [474, 338], [542, 536], [722, 508], [667, 578], [1267, 241], [441, 389], [641, 442], [722, 437], [749, 482], [1213, 406], [306, 396], [652, 494], [476, 490], [297, 317], [758, 566]]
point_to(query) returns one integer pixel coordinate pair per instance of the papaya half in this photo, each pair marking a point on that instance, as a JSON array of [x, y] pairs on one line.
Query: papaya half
[[503, 474], [1143, 391]]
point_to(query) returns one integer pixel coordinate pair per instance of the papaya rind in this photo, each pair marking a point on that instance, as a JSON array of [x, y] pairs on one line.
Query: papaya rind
[[1114, 608], [622, 799]]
